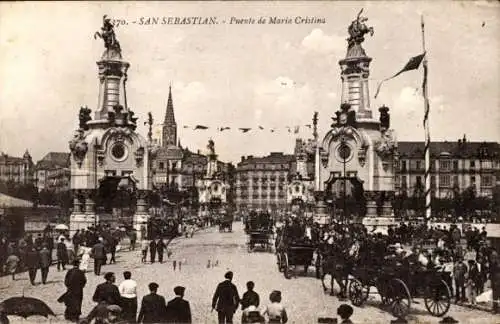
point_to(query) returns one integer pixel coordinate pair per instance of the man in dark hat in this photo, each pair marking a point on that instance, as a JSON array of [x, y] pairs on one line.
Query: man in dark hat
[[153, 307], [45, 262], [107, 292], [226, 299], [178, 309], [74, 281]]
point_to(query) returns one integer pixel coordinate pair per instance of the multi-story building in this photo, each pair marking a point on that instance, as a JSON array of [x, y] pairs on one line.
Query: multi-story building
[[53, 172], [261, 182], [454, 165], [16, 169]]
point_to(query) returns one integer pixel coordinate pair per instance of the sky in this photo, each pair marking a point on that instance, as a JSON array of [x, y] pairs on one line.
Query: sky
[[246, 75]]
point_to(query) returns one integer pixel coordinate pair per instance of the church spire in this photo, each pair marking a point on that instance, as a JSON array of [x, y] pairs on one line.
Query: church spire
[[169, 124], [169, 115]]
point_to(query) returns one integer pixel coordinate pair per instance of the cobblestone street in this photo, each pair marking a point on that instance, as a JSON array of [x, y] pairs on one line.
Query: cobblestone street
[[303, 296]]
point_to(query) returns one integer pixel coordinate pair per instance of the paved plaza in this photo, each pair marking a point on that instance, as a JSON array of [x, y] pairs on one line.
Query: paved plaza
[[303, 296]]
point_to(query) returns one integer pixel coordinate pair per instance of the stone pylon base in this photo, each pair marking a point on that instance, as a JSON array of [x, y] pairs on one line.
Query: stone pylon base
[[81, 221], [140, 222], [378, 223]]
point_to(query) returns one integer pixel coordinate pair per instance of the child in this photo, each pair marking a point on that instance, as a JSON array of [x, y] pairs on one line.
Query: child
[[459, 273], [144, 249], [276, 312], [345, 312], [473, 281], [11, 265]]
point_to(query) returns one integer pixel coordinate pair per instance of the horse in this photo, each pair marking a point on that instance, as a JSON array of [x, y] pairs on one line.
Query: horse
[[335, 262]]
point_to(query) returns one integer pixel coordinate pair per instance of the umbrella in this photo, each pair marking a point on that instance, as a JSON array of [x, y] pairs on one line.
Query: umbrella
[[61, 227], [26, 306]]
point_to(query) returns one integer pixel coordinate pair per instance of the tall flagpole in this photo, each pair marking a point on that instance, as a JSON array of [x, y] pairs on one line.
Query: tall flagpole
[[427, 154]]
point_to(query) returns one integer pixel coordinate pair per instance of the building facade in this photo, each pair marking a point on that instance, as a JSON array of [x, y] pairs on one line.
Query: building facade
[[19, 170], [454, 165], [261, 182], [53, 172]]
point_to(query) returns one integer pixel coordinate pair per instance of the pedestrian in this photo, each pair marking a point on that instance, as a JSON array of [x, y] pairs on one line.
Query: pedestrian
[[473, 279], [74, 281], [276, 312], [84, 263], [226, 299], [459, 274], [12, 264], [152, 250], [178, 310], [133, 239], [345, 312], [160, 248], [250, 297], [62, 255], [45, 262], [494, 270], [128, 292], [33, 263], [107, 291], [144, 250], [113, 242], [70, 247], [99, 254], [153, 306]]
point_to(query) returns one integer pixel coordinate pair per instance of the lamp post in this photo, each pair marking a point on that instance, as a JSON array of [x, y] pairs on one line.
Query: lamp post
[[344, 152]]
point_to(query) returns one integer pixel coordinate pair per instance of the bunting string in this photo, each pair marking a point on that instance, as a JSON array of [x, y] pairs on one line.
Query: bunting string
[[293, 129]]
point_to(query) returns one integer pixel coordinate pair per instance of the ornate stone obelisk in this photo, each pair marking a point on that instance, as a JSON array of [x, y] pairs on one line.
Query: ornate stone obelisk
[[106, 151], [359, 151]]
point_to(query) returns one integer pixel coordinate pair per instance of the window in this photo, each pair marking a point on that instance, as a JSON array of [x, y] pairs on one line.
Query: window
[[403, 165], [444, 165], [487, 181], [444, 180], [174, 166], [433, 181], [161, 166], [418, 165], [419, 180], [473, 180], [397, 182], [472, 163], [396, 165], [455, 180], [455, 165], [403, 182]]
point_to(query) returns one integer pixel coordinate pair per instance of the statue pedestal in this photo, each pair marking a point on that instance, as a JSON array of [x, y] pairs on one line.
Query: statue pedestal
[[320, 213], [140, 221], [80, 220]]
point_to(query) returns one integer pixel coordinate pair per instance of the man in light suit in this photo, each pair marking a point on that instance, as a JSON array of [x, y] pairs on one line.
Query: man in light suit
[[226, 299], [178, 309]]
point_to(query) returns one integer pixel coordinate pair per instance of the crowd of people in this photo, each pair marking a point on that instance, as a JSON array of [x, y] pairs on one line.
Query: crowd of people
[[39, 252], [467, 255]]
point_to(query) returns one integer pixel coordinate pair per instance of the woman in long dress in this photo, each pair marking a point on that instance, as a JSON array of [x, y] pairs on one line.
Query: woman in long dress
[[85, 258]]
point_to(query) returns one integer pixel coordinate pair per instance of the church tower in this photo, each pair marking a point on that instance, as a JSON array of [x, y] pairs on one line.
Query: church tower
[[169, 134]]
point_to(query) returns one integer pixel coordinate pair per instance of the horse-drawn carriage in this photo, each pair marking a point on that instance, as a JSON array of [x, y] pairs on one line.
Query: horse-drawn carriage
[[398, 285], [259, 228], [225, 222], [293, 251]]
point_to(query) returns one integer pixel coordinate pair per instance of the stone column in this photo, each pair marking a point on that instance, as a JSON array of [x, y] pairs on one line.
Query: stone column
[[77, 208], [89, 202], [141, 215], [371, 203]]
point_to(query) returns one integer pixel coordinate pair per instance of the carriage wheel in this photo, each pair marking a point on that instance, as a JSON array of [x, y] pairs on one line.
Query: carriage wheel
[[358, 293], [400, 298], [286, 270], [438, 298]]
